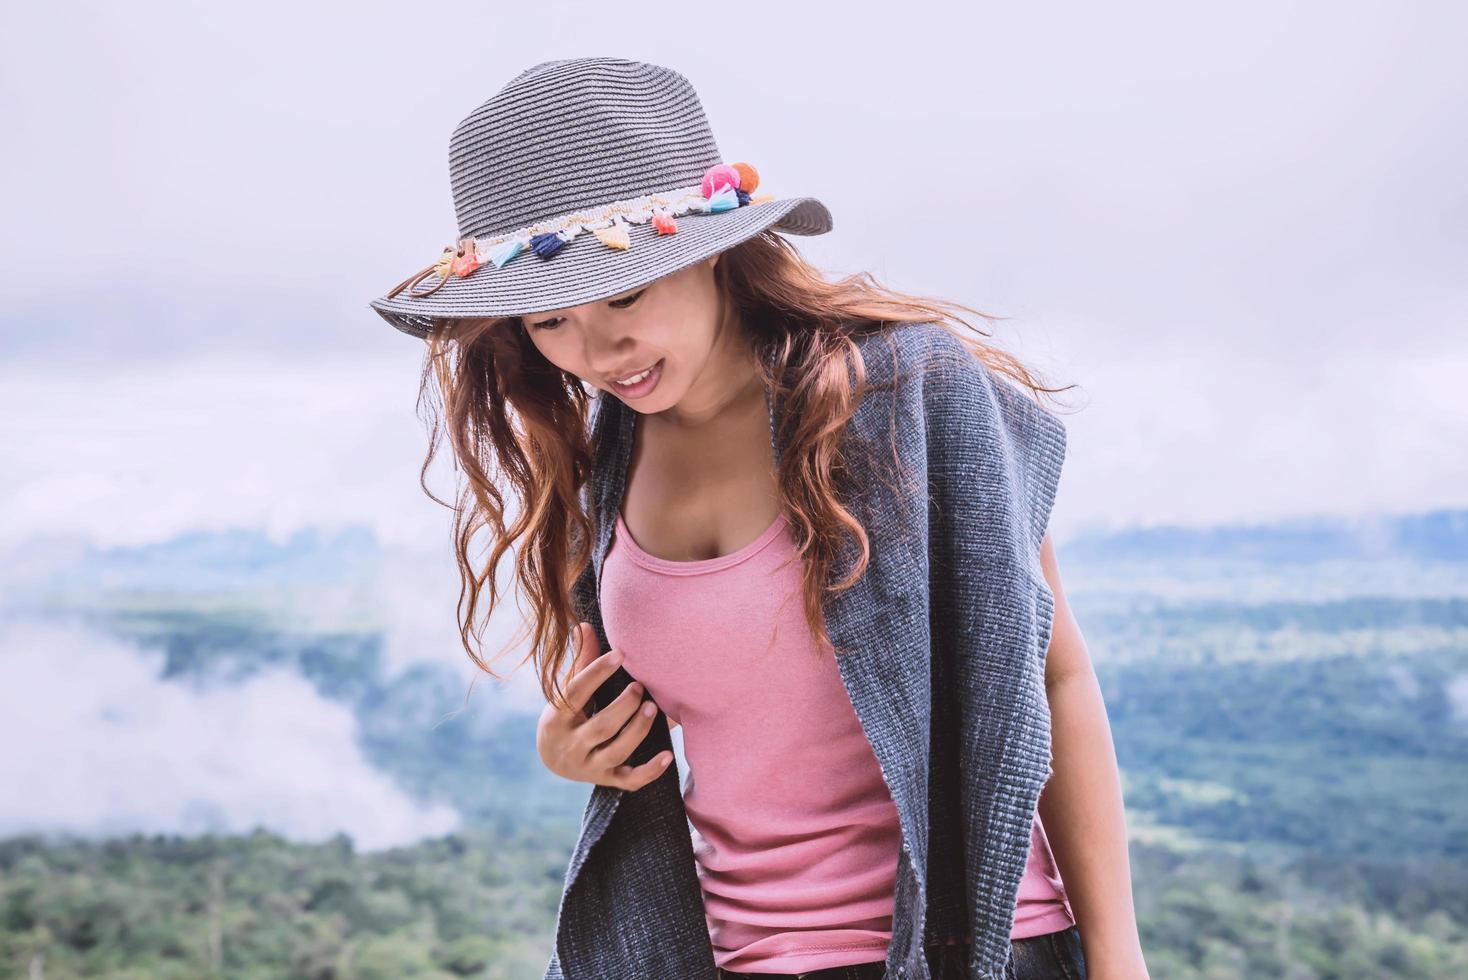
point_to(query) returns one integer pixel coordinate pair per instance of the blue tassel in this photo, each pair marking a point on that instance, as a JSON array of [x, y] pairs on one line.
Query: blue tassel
[[547, 244], [724, 199], [503, 252]]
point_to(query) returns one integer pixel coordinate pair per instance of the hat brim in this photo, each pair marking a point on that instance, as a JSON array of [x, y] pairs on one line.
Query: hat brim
[[584, 269]]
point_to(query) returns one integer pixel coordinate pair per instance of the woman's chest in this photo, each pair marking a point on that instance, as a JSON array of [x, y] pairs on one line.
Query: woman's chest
[[692, 496], [715, 635]]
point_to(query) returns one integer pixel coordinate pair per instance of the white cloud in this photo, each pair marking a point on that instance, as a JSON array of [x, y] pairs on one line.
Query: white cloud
[[1457, 690], [134, 454], [96, 744]]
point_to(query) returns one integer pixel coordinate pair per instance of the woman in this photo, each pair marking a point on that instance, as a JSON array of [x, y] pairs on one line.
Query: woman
[[776, 481]]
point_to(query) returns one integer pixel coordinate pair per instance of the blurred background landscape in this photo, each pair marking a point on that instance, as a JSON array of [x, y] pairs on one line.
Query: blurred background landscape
[[238, 734], [208, 775]]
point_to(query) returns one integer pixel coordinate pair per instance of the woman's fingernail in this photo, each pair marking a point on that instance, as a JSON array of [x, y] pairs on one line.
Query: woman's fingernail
[[649, 709], [666, 759]]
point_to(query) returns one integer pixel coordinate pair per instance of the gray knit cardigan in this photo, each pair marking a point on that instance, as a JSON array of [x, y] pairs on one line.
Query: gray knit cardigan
[[947, 632]]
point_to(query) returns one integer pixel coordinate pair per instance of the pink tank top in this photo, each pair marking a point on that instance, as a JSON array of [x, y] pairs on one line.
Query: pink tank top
[[795, 834]]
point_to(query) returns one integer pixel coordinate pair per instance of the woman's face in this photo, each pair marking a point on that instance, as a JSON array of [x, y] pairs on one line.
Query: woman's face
[[671, 325]]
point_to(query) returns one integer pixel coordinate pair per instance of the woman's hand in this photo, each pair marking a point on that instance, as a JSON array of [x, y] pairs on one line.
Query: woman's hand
[[594, 748]]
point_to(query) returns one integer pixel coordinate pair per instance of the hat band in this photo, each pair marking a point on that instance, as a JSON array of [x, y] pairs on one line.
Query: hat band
[[724, 187]]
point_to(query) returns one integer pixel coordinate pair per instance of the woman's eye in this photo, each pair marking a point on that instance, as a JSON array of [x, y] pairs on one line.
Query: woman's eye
[[620, 304]]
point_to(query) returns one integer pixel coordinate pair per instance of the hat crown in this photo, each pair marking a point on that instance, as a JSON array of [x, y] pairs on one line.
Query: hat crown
[[567, 134]]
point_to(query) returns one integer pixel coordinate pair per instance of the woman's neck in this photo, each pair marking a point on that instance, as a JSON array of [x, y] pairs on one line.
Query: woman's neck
[[728, 385]]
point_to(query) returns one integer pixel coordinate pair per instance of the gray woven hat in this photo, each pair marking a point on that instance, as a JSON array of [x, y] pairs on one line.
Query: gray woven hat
[[581, 179]]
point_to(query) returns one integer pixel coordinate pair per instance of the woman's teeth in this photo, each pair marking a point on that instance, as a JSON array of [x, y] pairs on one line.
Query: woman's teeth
[[634, 378]]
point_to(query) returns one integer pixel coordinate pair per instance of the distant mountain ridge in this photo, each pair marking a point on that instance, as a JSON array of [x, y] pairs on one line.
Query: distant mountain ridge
[[207, 561], [1437, 535], [243, 559]]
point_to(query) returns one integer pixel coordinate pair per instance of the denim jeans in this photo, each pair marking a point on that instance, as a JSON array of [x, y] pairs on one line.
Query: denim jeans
[[1052, 956]]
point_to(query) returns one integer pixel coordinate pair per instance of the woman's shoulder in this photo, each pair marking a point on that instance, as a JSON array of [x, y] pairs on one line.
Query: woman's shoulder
[[917, 342], [923, 356]]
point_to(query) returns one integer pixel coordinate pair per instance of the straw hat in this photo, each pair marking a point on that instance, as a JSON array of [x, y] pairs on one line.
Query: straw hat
[[581, 179]]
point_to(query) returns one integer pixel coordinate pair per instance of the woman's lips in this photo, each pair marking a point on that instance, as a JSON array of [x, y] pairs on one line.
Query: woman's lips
[[642, 387]]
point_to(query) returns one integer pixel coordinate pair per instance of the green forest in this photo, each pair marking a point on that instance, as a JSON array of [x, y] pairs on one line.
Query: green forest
[[1293, 741]]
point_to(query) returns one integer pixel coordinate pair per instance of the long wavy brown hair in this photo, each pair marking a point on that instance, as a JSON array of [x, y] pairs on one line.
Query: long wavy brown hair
[[519, 424]]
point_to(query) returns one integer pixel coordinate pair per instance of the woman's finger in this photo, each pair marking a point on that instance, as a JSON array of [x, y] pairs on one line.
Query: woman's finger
[[586, 644], [603, 726], [636, 777], [619, 745], [595, 667]]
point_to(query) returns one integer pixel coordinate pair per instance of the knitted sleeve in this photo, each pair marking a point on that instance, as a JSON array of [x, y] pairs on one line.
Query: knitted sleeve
[[994, 462]]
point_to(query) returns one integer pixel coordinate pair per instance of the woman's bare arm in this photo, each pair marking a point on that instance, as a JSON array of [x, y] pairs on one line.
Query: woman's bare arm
[[1081, 806]]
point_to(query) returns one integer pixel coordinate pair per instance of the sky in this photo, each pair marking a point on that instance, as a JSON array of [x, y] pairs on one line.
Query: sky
[[1240, 230]]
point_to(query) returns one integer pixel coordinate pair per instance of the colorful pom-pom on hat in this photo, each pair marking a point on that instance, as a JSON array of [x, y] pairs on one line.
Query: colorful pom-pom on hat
[[718, 176], [748, 177]]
